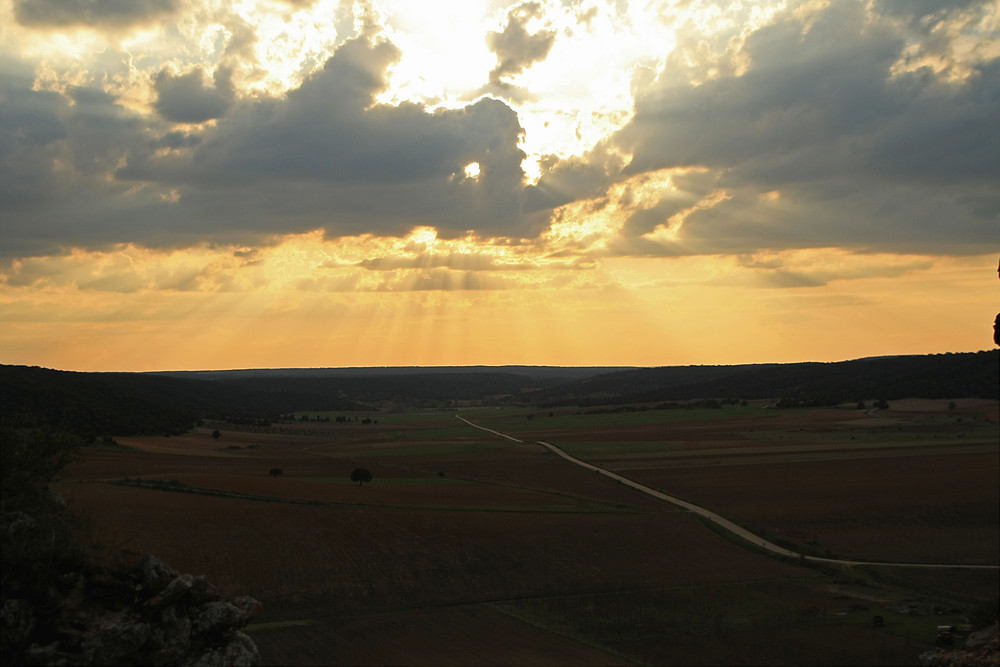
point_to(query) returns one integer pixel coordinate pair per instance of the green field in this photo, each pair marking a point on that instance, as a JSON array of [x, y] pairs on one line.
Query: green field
[[408, 481], [516, 420]]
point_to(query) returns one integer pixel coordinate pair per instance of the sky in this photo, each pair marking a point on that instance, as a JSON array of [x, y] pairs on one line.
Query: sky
[[313, 183]]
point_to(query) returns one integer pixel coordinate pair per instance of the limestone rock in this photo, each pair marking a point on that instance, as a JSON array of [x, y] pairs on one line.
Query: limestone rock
[[151, 615], [156, 574], [241, 652], [981, 649]]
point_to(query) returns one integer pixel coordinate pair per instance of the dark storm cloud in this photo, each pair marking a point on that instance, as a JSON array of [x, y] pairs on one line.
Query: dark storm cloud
[[92, 13], [328, 156], [30, 130], [57, 152], [176, 140], [820, 142], [325, 156], [517, 49], [185, 98], [862, 158], [571, 179]]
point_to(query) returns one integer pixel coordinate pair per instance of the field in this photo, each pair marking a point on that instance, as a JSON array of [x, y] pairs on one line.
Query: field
[[467, 548]]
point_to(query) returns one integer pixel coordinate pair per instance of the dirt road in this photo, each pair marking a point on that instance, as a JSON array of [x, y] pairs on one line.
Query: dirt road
[[739, 531]]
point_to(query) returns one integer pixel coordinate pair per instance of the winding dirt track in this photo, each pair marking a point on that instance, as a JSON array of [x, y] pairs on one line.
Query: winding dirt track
[[743, 533]]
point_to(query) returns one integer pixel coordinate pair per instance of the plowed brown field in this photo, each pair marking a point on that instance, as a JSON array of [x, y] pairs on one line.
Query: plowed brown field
[[425, 637], [456, 518], [915, 485]]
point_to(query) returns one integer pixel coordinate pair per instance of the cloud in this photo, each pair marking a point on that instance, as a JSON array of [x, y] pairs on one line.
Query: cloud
[[860, 156], [572, 179], [919, 11], [816, 268], [58, 152], [459, 261], [445, 280], [517, 49], [90, 13], [125, 270], [176, 140], [325, 156], [33, 130], [329, 156], [185, 98], [832, 127]]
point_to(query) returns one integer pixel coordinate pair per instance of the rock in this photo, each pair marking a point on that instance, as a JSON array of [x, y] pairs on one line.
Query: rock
[[241, 652], [981, 649], [101, 620], [218, 617], [156, 574], [171, 637], [201, 591], [250, 607], [174, 591], [113, 643], [982, 637]]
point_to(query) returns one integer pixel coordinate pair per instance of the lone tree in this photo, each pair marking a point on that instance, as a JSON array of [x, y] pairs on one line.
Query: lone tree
[[276, 472], [361, 475], [216, 434]]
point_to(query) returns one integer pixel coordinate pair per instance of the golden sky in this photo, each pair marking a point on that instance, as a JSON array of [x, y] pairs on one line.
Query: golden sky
[[195, 185]]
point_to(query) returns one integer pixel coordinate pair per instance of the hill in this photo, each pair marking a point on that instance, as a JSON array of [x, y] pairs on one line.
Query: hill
[[95, 404], [975, 374]]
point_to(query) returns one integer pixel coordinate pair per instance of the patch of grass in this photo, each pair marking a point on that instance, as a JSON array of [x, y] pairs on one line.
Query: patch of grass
[[518, 420], [592, 448], [460, 430], [410, 450], [919, 627], [917, 431], [405, 481]]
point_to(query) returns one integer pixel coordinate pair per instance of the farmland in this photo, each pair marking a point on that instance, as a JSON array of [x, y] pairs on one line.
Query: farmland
[[468, 548]]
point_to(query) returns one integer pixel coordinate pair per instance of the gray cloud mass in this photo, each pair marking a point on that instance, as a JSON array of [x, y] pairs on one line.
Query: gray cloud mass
[[862, 156], [185, 98], [517, 49], [93, 13]]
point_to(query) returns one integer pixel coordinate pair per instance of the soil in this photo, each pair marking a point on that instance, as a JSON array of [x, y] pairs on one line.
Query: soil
[[403, 570]]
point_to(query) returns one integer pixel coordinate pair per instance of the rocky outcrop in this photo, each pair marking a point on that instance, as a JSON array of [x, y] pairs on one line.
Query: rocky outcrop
[[147, 615], [981, 649]]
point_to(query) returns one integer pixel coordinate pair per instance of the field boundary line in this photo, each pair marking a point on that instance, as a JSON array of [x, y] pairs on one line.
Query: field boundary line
[[733, 528], [156, 485]]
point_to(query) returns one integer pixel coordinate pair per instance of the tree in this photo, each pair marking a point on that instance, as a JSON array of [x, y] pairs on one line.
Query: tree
[[216, 434], [38, 543], [361, 475], [276, 472]]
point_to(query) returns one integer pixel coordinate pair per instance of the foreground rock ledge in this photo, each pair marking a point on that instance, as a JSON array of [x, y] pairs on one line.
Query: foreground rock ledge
[[150, 615], [981, 649]]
